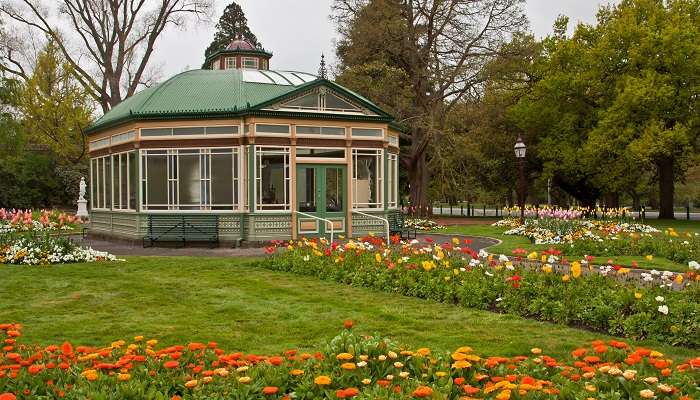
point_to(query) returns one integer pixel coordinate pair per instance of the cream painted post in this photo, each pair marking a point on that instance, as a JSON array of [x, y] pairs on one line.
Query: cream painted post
[[348, 161], [293, 175]]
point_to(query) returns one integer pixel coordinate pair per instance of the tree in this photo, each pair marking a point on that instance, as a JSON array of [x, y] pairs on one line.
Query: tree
[[54, 106], [231, 25], [652, 47], [112, 40], [440, 49]]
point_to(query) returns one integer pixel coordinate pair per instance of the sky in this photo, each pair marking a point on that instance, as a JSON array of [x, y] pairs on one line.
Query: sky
[[298, 31]]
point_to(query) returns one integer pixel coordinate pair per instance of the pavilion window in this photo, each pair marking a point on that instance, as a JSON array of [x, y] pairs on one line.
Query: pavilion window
[[320, 130], [124, 181], [272, 178], [271, 129], [367, 132], [250, 62], [191, 179], [393, 175], [230, 62], [101, 183], [367, 178]]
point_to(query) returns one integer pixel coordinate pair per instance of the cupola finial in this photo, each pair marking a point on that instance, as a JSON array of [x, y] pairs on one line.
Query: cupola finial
[[322, 72]]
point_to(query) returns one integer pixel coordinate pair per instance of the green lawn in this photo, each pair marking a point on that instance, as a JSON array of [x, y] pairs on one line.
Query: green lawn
[[512, 242], [243, 307]]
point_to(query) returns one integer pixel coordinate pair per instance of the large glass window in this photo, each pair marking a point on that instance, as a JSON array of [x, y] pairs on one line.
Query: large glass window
[[316, 152], [191, 179], [393, 180], [366, 178], [124, 181], [100, 183], [272, 178]]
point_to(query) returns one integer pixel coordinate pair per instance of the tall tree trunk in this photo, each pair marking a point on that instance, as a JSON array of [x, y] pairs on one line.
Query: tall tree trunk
[[666, 187], [418, 177], [612, 200]]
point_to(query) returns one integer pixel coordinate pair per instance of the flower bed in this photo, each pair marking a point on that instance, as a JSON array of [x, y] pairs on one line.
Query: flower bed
[[422, 224], [35, 250], [34, 221], [454, 274], [558, 231], [348, 366]]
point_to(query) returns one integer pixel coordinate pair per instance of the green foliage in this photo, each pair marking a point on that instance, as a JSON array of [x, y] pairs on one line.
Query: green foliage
[[592, 301], [55, 107], [232, 24]]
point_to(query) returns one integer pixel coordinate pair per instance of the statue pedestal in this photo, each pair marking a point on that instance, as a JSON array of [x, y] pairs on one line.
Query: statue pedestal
[[82, 209]]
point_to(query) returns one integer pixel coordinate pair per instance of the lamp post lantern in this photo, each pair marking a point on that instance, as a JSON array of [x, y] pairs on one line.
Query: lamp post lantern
[[520, 150]]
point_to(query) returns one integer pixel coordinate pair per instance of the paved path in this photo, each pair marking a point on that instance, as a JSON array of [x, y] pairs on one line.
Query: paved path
[[121, 248]]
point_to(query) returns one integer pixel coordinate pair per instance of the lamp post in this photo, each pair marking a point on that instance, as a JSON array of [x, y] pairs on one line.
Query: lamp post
[[520, 150]]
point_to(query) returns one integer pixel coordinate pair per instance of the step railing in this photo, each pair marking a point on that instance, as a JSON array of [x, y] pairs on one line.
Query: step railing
[[386, 222], [319, 219]]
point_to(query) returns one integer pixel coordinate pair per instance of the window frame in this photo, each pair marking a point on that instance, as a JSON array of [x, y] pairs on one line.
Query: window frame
[[197, 136], [257, 133], [320, 135], [172, 177], [117, 189], [379, 156], [226, 62], [244, 59], [364, 137], [393, 181], [259, 150]]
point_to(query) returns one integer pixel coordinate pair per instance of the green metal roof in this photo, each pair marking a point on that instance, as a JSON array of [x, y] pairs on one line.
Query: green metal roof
[[220, 93]]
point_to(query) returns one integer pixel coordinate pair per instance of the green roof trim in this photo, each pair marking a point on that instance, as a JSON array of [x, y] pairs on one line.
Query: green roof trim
[[207, 94]]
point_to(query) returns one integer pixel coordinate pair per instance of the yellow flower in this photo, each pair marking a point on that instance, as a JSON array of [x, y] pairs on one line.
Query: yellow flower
[[652, 380], [464, 349], [423, 351], [590, 388], [123, 377], [152, 342], [377, 258], [629, 374], [532, 256], [637, 295], [207, 379], [344, 356], [138, 338], [679, 279], [347, 366], [575, 269], [366, 381], [322, 380], [461, 364], [566, 278], [649, 257], [398, 364], [296, 372], [656, 354], [547, 268], [441, 374], [536, 350], [244, 379], [455, 241], [646, 394], [191, 384]]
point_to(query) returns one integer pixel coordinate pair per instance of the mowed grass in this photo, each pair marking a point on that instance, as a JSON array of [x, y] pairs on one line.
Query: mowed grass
[[512, 242], [248, 308]]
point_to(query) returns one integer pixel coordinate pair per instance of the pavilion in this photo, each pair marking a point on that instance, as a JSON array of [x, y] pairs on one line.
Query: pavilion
[[274, 154]]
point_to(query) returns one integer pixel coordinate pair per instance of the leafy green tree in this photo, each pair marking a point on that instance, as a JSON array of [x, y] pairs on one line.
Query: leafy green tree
[[435, 50], [231, 25], [652, 48], [55, 107]]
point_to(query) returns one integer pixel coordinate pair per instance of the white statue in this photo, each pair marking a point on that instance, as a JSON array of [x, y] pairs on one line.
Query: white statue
[[82, 203], [82, 188]]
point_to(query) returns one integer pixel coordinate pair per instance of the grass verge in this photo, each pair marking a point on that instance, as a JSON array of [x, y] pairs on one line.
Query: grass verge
[[182, 299]]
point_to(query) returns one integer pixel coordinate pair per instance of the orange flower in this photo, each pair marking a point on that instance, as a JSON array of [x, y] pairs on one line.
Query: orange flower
[[190, 384], [422, 391], [67, 349], [267, 390], [322, 380], [347, 324], [7, 396], [171, 364]]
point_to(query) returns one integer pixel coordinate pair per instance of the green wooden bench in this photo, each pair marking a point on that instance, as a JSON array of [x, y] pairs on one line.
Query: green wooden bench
[[182, 228], [397, 226]]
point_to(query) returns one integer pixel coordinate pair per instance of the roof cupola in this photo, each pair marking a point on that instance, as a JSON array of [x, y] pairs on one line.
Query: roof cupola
[[240, 54]]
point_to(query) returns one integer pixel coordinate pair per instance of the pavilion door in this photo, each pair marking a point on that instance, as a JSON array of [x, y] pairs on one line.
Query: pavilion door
[[321, 192]]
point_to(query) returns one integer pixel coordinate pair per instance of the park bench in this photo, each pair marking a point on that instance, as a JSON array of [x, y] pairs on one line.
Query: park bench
[[182, 228], [397, 226]]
